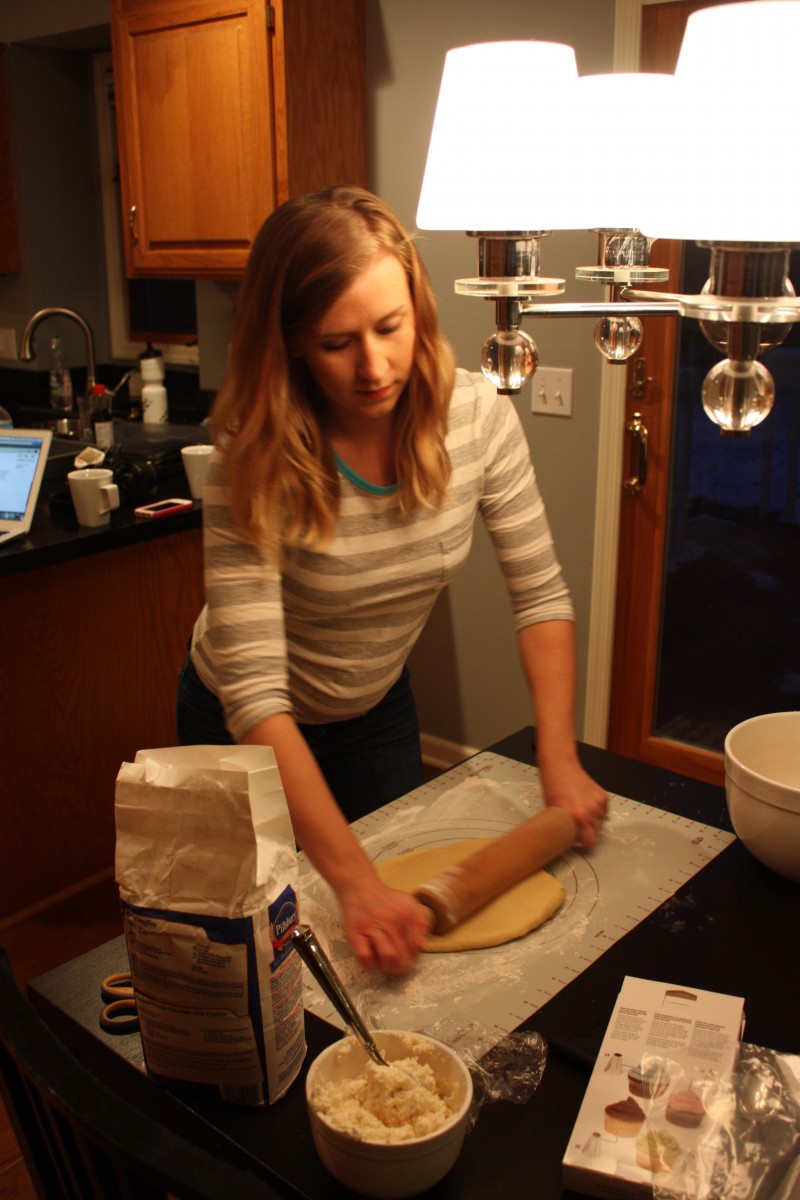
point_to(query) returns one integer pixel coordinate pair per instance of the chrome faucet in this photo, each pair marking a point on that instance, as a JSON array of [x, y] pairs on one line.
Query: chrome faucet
[[26, 352]]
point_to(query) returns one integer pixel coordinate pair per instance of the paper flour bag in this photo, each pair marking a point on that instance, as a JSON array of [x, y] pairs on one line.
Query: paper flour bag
[[207, 871]]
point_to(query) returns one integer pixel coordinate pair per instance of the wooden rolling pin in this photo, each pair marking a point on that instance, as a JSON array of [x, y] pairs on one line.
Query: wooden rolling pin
[[461, 890]]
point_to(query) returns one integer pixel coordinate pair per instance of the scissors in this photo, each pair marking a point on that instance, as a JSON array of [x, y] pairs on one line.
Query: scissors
[[119, 1014]]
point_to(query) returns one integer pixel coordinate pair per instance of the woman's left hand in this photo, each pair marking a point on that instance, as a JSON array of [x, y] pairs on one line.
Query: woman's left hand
[[568, 786]]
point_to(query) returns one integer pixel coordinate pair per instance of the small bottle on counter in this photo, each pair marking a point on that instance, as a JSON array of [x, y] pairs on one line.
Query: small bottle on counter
[[102, 423], [60, 378], [154, 394], [5, 419], [135, 396]]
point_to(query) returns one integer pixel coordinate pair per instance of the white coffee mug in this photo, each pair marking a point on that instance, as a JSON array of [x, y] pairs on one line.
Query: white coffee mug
[[195, 462], [94, 495]]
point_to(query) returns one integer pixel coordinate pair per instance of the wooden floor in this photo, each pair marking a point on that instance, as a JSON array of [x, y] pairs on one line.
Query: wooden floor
[[37, 944]]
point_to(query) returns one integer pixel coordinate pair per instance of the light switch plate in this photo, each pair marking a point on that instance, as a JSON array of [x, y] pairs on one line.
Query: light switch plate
[[8, 343], [551, 391]]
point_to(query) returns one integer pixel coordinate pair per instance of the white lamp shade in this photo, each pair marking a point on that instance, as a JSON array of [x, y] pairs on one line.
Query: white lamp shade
[[494, 161], [728, 155], [618, 168]]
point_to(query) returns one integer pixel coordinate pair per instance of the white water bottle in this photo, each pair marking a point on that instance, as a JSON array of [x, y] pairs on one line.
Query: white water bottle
[[154, 394]]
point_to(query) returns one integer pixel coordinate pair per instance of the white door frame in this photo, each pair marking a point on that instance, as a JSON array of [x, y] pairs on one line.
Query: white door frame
[[627, 38]]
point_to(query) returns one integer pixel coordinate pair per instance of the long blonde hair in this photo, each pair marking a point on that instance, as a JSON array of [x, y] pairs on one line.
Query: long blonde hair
[[283, 482]]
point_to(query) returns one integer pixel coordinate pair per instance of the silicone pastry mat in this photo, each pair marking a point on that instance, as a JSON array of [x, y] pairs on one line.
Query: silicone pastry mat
[[472, 999]]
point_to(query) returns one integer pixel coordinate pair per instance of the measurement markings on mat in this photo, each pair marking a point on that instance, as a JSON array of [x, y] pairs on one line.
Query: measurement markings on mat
[[643, 857]]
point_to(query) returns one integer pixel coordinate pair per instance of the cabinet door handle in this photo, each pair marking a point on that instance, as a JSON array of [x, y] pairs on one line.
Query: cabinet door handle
[[638, 430], [131, 219]]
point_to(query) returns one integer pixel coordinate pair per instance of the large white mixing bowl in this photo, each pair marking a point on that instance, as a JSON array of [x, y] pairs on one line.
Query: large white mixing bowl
[[762, 786]]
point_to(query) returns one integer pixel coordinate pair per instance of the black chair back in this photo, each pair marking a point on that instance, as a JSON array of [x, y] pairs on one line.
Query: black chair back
[[82, 1140]]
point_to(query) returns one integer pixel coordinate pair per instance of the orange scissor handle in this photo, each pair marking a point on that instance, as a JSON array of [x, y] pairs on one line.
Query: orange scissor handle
[[120, 1016], [117, 987]]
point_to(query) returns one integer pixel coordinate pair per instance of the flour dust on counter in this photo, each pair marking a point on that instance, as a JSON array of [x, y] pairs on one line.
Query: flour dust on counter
[[473, 999]]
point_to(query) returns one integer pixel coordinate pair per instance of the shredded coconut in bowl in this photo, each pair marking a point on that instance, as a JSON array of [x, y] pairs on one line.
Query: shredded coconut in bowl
[[383, 1105]]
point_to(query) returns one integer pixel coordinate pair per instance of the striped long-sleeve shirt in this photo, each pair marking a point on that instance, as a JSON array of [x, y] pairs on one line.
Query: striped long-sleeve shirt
[[326, 637]]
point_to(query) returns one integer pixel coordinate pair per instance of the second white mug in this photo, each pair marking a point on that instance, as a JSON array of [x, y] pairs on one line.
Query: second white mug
[[195, 462]]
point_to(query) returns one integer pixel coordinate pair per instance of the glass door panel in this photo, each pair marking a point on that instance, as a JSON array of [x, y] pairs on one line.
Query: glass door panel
[[730, 617]]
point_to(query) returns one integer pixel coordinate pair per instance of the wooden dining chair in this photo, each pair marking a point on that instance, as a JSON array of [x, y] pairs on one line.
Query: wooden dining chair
[[82, 1140]]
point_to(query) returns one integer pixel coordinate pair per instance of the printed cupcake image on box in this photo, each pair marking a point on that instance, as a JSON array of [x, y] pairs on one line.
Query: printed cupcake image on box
[[649, 1078], [657, 1150], [624, 1118], [658, 1088], [685, 1108]]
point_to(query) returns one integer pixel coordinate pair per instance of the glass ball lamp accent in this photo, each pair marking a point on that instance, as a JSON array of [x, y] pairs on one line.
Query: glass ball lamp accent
[[737, 396], [508, 359], [618, 337]]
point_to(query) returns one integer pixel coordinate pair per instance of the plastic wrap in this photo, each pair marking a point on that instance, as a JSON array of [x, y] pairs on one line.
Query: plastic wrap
[[748, 1147], [510, 1070]]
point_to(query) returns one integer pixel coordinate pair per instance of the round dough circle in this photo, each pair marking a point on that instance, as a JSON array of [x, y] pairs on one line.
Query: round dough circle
[[516, 912]]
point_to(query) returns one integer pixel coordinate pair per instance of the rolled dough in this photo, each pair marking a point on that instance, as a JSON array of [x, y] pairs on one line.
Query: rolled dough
[[519, 910]]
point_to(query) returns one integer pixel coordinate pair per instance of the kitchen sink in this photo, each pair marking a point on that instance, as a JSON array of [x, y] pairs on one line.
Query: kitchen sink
[[61, 459]]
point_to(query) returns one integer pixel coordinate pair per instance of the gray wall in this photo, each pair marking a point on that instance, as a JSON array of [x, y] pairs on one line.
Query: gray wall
[[467, 679]]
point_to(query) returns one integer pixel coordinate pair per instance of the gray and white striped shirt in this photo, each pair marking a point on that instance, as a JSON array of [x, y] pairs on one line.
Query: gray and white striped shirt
[[325, 638]]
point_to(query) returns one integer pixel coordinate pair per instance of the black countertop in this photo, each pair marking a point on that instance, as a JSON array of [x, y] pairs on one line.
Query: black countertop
[[55, 536], [724, 930]]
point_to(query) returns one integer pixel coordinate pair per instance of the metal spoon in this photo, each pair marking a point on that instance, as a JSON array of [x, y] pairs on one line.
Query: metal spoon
[[305, 943], [759, 1094]]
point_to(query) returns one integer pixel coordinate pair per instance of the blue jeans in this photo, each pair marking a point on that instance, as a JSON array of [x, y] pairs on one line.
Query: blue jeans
[[367, 761]]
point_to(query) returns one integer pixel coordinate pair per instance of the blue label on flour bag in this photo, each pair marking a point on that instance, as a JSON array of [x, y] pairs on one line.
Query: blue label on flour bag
[[282, 920]]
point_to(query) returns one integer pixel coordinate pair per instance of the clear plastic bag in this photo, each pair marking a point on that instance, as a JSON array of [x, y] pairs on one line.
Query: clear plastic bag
[[511, 1070], [749, 1147]]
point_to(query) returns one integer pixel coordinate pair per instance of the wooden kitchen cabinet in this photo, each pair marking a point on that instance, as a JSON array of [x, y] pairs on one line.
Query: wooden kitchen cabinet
[[226, 108], [90, 674], [10, 254]]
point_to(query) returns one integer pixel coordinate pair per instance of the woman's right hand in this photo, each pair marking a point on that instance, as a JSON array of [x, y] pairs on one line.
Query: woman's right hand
[[386, 928]]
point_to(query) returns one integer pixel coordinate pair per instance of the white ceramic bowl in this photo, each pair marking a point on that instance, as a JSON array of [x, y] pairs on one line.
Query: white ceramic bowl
[[762, 786], [387, 1170]]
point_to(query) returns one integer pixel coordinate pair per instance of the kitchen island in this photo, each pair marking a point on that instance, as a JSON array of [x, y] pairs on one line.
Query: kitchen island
[[724, 929], [95, 628]]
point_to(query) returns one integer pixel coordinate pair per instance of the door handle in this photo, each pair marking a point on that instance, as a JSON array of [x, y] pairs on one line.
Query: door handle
[[638, 430], [131, 223]]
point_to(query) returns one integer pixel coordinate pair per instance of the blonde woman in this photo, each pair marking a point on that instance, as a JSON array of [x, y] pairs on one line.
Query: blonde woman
[[352, 459]]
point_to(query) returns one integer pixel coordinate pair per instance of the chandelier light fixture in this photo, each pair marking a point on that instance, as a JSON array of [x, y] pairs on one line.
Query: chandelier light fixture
[[712, 174]]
